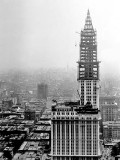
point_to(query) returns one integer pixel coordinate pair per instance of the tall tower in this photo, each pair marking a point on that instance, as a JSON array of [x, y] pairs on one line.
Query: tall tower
[[88, 66], [75, 125], [88, 81]]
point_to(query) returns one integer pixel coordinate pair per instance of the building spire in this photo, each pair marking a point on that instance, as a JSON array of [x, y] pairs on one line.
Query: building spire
[[88, 21], [88, 13]]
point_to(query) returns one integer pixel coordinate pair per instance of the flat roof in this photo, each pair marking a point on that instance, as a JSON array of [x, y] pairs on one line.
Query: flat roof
[[30, 146], [27, 156]]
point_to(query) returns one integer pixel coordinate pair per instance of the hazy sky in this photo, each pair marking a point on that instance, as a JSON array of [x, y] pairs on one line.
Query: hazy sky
[[41, 33]]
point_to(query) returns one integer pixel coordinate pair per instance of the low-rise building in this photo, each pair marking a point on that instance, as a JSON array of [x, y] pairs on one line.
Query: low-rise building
[[108, 108], [111, 130]]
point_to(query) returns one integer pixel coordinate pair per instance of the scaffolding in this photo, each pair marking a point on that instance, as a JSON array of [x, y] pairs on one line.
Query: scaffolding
[[88, 66]]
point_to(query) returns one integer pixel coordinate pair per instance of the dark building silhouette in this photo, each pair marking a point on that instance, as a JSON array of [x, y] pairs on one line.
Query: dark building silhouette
[[29, 114], [7, 104], [42, 91]]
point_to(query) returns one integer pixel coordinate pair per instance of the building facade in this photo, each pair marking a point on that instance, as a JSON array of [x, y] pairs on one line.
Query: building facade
[[107, 100], [74, 132], [109, 112], [111, 130], [75, 125], [108, 108]]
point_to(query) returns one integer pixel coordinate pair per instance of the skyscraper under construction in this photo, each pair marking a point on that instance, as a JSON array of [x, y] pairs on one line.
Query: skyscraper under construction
[[75, 125], [88, 66]]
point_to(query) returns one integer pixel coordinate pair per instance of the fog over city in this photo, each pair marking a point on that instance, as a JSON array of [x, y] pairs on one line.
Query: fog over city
[[42, 33], [59, 80]]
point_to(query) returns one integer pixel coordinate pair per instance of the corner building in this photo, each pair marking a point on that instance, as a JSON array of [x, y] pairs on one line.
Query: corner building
[[75, 125]]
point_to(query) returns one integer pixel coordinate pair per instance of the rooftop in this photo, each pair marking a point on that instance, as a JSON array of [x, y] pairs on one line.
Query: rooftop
[[31, 146], [75, 106], [38, 136], [27, 156]]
